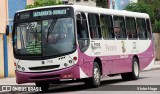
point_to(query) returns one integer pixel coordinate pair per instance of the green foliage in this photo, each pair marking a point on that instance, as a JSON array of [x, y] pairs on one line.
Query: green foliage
[[156, 27], [154, 3], [39, 3], [148, 7], [102, 3], [30, 6], [156, 6], [141, 7]]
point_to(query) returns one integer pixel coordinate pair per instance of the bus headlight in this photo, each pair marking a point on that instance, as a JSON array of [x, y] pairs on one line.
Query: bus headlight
[[70, 61], [23, 69], [19, 66], [65, 64]]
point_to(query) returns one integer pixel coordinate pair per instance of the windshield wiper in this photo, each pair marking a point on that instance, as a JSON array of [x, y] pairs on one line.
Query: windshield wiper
[[51, 27], [21, 37]]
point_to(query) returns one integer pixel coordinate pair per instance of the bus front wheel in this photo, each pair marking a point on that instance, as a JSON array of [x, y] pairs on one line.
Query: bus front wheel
[[44, 85], [134, 75], [96, 79]]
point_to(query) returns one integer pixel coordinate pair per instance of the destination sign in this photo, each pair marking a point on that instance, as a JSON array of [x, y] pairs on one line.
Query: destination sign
[[49, 12], [44, 13]]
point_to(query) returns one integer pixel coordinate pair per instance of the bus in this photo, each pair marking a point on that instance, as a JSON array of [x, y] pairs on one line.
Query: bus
[[74, 42]]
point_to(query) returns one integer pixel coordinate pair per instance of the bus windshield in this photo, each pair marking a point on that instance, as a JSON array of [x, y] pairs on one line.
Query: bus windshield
[[45, 37]]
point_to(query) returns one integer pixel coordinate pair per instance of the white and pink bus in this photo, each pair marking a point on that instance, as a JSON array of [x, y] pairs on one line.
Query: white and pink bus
[[80, 42]]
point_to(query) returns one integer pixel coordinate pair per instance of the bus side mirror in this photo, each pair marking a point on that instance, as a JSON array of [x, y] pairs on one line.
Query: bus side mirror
[[7, 30]]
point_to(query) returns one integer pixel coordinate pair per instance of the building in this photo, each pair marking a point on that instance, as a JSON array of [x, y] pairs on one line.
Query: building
[[3, 23], [65, 1], [75, 2], [83, 2], [7, 11]]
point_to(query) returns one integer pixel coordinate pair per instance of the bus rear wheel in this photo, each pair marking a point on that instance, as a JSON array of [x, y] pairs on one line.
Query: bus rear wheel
[[96, 79], [44, 85], [134, 75]]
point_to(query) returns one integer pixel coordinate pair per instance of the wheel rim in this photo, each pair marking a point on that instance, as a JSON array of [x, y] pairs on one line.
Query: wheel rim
[[96, 75], [136, 68]]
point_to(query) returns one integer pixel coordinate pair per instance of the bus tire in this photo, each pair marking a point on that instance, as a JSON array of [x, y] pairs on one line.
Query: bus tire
[[44, 85], [96, 79], [134, 75]]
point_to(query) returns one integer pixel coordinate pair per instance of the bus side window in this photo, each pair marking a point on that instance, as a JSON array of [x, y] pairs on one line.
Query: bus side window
[[119, 27], [131, 28], [106, 26], [141, 28], [82, 30], [94, 26], [148, 28]]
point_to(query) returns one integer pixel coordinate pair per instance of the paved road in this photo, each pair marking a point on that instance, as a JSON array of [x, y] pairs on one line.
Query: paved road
[[113, 85]]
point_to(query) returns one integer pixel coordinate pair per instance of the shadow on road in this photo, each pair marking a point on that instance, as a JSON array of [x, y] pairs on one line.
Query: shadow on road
[[71, 87]]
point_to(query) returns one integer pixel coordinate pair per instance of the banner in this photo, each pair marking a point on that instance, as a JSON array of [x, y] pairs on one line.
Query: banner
[[119, 4]]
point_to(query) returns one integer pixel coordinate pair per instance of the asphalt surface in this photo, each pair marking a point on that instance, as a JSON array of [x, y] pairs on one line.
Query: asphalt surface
[[148, 83]]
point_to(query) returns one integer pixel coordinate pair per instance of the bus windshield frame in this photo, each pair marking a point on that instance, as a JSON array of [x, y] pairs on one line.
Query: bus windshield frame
[[42, 34]]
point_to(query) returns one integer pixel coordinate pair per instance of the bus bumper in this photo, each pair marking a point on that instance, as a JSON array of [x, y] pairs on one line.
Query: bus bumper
[[72, 72]]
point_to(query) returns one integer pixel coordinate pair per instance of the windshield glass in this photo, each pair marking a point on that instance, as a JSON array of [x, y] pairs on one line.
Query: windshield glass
[[45, 37]]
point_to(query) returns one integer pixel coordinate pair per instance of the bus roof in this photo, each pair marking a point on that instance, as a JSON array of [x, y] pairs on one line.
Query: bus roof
[[90, 9]]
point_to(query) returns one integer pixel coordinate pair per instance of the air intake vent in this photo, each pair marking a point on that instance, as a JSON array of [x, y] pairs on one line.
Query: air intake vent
[[44, 67]]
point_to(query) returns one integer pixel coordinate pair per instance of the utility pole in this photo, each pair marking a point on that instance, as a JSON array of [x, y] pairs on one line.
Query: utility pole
[[5, 47]]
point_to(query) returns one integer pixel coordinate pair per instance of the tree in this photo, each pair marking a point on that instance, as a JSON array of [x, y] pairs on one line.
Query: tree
[[39, 3], [155, 4], [150, 7], [141, 7], [102, 3]]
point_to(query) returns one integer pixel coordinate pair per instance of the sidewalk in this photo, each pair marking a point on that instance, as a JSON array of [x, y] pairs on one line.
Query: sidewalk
[[12, 80], [157, 65]]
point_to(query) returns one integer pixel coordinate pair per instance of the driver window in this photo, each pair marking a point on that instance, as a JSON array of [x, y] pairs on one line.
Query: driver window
[[82, 30]]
